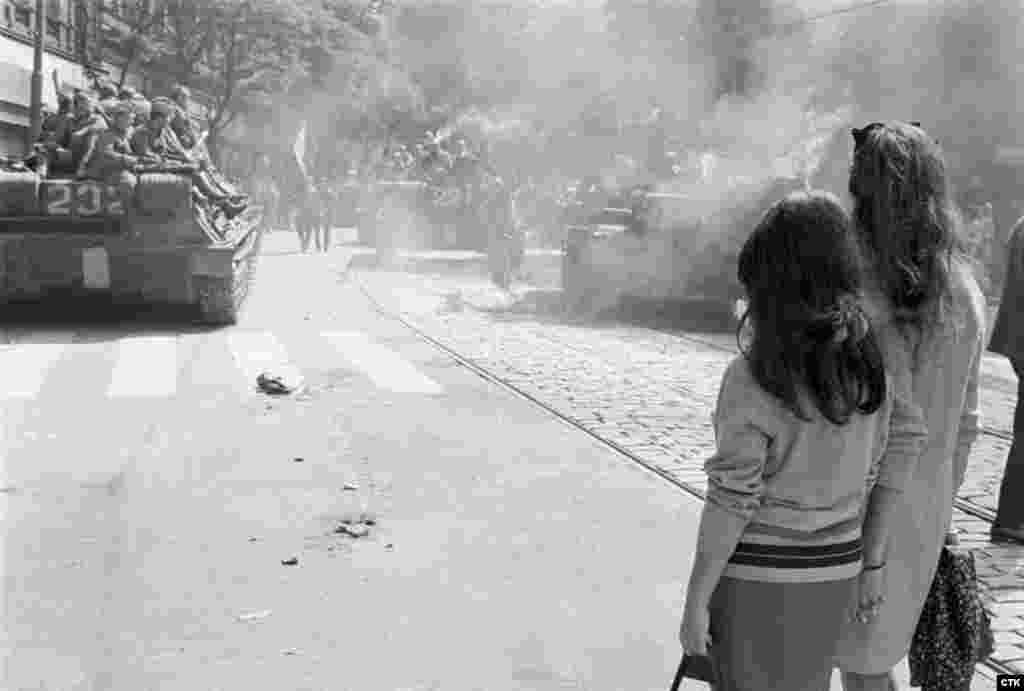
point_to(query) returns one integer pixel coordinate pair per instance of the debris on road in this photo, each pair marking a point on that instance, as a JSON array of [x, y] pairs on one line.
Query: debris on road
[[276, 385], [290, 651], [389, 546], [254, 616], [255, 539], [299, 459], [291, 561], [355, 530], [350, 486]]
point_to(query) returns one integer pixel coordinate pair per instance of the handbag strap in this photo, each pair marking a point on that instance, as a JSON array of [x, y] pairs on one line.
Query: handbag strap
[[680, 673]]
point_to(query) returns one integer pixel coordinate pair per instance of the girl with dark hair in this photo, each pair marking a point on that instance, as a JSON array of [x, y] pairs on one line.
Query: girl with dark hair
[[930, 315], [807, 421]]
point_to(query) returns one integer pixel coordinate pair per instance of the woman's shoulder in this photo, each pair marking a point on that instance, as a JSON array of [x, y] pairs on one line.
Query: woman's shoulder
[[969, 305], [741, 390]]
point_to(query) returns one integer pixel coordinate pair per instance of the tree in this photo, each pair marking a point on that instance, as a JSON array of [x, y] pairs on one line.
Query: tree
[[127, 39], [243, 56]]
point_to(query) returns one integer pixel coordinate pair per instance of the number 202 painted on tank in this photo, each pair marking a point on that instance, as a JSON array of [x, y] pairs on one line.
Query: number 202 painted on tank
[[83, 198]]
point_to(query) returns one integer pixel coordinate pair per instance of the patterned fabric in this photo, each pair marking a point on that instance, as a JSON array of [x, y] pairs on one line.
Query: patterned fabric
[[953, 632]]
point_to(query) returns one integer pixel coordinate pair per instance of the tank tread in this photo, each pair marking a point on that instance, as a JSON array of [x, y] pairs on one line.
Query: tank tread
[[220, 298]]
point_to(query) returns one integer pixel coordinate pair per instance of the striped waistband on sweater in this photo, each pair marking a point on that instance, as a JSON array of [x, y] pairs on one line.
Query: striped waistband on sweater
[[795, 562]]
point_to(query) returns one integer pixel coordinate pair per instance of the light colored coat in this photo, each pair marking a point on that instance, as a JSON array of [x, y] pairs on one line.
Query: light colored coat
[[944, 374]]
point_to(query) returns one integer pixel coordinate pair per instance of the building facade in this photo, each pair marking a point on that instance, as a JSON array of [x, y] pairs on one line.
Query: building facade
[[69, 30]]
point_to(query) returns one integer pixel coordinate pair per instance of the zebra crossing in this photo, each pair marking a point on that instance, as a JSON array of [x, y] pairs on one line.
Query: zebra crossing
[[154, 366]]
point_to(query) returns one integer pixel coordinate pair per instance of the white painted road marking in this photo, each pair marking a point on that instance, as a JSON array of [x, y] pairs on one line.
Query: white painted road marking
[[146, 366], [384, 367], [259, 351], [24, 366]]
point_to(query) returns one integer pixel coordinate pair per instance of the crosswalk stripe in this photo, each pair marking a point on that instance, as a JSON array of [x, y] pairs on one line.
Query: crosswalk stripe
[[24, 367], [259, 351], [146, 366], [386, 368]]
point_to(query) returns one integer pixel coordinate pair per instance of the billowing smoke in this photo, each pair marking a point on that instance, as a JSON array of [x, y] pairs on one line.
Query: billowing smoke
[[750, 92]]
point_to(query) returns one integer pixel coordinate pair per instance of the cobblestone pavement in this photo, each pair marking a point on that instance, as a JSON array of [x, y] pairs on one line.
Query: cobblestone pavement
[[652, 393]]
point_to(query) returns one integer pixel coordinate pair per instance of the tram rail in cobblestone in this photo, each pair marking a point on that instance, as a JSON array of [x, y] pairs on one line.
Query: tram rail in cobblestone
[[965, 506]]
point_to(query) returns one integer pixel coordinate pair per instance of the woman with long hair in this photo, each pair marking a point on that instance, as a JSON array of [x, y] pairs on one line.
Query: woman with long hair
[[804, 417], [926, 304]]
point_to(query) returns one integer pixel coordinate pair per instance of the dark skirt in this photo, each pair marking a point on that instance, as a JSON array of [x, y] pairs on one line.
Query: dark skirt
[[777, 636]]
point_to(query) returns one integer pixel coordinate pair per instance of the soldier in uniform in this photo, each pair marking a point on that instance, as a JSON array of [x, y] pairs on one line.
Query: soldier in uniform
[[157, 142], [326, 201], [71, 143], [55, 126], [138, 102], [107, 97], [181, 123], [111, 158], [188, 134]]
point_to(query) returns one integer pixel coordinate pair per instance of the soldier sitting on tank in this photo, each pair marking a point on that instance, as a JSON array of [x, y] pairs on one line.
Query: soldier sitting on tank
[[54, 125], [68, 136], [186, 131], [158, 143], [106, 97], [138, 102], [110, 158]]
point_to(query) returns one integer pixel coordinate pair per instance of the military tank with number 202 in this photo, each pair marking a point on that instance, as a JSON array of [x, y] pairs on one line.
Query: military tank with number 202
[[72, 236]]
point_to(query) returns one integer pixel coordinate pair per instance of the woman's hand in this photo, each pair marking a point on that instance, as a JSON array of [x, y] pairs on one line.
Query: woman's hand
[[694, 632], [870, 594]]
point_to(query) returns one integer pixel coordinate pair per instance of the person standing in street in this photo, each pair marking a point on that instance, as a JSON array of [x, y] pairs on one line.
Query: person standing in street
[[807, 420], [1008, 339], [930, 315]]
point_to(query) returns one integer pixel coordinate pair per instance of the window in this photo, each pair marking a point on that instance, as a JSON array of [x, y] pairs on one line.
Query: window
[[22, 17]]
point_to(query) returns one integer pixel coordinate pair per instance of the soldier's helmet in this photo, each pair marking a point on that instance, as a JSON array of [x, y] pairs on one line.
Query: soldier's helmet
[[65, 94], [120, 108]]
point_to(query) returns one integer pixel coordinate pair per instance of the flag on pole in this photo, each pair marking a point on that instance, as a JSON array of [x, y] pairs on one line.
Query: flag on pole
[[299, 149]]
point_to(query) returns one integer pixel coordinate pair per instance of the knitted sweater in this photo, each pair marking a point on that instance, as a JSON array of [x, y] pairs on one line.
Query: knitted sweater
[[802, 485]]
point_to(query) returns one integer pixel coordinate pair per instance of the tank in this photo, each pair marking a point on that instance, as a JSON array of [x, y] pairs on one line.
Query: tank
[[70, 236], [642, 253], [415, 215]]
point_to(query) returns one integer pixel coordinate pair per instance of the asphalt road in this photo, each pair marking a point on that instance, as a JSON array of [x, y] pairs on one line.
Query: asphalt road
[[150, 494]]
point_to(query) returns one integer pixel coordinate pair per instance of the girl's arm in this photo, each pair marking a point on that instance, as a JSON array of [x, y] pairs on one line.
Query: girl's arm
[[906, 439], [720, 532], [969, 421], [735, 480]]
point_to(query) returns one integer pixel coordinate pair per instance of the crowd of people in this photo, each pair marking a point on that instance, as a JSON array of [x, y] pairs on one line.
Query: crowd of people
[[843, 434], [113, 135]]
